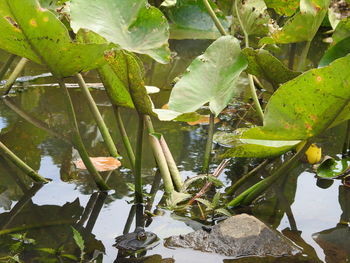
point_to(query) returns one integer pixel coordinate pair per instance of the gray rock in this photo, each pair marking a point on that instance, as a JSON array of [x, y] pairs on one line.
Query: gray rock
[[237, 236]]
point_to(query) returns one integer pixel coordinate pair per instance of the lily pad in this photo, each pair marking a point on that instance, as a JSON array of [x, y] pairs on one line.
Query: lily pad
[[211, 77], [133, 24], [332, 169], [286, 7]]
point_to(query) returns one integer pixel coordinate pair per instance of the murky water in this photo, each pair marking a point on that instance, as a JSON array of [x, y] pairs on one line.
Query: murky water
[[311, 216]]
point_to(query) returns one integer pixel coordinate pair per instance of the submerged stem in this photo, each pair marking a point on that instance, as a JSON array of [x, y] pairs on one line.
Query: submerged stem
[[15, 73], [138, 162], [77, 140], [209, 145], [97, 116], [6, 66], [20, 164]]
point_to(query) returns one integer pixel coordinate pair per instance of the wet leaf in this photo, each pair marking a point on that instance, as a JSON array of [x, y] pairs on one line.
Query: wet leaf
[[287, 7], [211, 78], [342, 30], [133, 24], [35, 33], [331, 168], [303, 25], [189, 19], [263, 64], [101, 163], [341, 49]]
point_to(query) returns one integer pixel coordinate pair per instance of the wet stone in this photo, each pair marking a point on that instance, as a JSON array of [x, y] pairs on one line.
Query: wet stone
[[237, 236]]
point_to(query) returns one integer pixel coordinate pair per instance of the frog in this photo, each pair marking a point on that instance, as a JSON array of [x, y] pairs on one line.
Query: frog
[[137, 241]]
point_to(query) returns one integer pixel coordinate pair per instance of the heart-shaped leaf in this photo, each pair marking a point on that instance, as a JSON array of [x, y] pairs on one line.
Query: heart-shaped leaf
[[211, 78], [30, 31], [133, 24]]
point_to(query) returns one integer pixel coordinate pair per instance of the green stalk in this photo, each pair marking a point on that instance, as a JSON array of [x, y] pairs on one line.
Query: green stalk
[[20, 164], [175, 174], [215, 18], [303, 56], [346, 140], [7, 65], [159, 156], [232, 189], [209, 145], [138, 161], [250, 77], [125, 138], [98, 118], [15, 73], [78, 142], [254, 191]]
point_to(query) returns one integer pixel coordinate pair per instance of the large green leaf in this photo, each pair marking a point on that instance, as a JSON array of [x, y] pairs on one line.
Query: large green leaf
[[283, 7], [133, 24], [254, 17], [35, 33], [301, 108], [341, 49], [342, 30], [264, 65], [210, 78], [303, 25], [191, 20], [331, 168], [304, 106]]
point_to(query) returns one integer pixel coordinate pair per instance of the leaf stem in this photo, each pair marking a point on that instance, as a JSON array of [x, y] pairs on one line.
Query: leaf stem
[[214, 18], [7, 65], [20, 164], [303, 56], [77, 140], [15, 73], [250, 77], [125, 138], [97, 116], [209, 145], [138, 161]]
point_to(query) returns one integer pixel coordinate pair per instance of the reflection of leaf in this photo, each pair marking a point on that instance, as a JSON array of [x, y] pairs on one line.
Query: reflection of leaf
[[133, 24], [101, 164], [210, 78], [204, 120], [191, 20], [35, 33]]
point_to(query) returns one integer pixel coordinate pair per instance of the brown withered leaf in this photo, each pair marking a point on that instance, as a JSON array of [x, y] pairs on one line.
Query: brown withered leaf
[[101, 164]]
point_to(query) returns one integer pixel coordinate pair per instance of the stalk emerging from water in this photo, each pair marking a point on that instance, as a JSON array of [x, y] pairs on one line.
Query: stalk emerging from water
[[15, 73], [125, 138], [20, 164], [97, 116], [215, 18], [77, 140], [209, 145], [138, 162]]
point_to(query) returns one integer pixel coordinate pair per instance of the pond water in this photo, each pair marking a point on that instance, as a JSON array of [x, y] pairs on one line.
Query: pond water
[[310, 214]]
